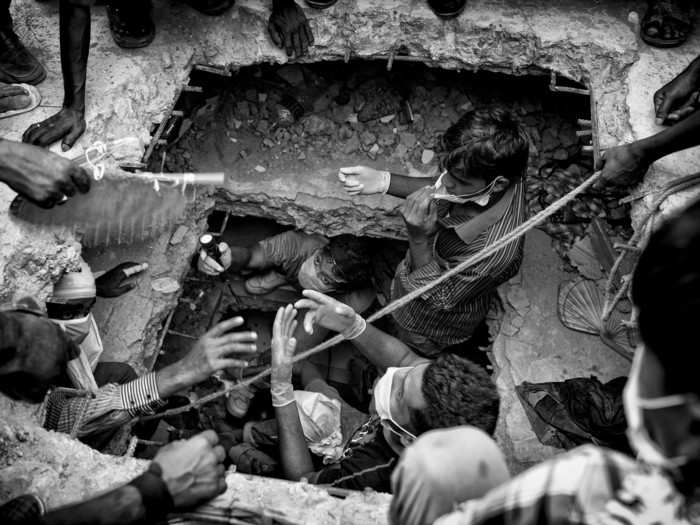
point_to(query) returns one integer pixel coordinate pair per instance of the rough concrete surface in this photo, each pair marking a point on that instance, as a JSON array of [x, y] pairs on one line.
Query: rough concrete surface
[[534, 346]]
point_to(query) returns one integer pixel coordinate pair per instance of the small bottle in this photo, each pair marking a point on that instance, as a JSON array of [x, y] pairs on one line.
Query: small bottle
[[208, 244]]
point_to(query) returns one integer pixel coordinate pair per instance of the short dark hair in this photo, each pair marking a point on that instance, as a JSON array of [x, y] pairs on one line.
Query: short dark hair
[[457, 392], [352, 258], [487, 142], [666, 290]]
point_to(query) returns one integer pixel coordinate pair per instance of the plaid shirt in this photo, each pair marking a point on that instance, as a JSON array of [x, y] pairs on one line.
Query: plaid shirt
[[573, 488], [71, 412], [449, 313]]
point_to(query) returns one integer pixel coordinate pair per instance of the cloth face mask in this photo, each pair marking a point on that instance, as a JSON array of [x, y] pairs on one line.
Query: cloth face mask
[[480, 198], [640, 441], [84, 333], [382, 403]]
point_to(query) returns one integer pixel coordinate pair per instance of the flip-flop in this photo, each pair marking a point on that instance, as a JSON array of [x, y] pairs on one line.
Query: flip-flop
[[660, 15], [35, 99]]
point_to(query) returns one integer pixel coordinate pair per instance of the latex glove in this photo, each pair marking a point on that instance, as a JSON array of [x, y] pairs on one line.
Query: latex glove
[[363, 180], [207, 265], [113, 283], [644, 499], [419, 212], [13, 97], [289, 28], [68, 124], [193, 470], [39, 175], [325, 312], [213, 352], [623, 165], [283, 346], [679, 98]]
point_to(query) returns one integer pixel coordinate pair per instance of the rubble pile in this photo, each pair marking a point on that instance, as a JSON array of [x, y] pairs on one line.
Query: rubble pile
[[302, 118]]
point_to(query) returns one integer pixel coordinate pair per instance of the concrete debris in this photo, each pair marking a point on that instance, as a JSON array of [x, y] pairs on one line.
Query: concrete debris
[[179, 234], [260, 169], [427, 156]]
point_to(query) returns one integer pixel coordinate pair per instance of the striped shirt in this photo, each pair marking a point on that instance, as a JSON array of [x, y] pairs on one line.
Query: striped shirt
[[67, 410], [449, 313], [575, 488]]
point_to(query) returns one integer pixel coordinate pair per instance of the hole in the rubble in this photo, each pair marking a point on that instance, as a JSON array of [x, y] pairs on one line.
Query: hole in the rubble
[[287, 119], [299, 119]]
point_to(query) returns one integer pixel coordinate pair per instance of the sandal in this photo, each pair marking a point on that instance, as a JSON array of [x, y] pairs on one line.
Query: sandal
[[665, 16], [321, 4], [34, 100], [211, 7], [130, 23], [447, 8]]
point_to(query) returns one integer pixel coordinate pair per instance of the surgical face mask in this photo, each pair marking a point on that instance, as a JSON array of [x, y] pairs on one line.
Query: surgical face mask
[[382, 403], [85, 334], [639, 438], [312, 277], [480, 198]]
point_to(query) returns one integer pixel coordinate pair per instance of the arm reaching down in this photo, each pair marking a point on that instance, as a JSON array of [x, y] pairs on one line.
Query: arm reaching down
[[289, 28], [363, 180]]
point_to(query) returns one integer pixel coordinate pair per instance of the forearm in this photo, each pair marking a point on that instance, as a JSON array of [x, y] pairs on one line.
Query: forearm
[[421, 251], [144, 499], [74, 22], [295, 455], [403, 185], [173, 379], [384, 350], [683, 135]]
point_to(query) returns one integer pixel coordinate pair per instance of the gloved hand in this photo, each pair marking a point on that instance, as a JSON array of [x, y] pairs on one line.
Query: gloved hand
[[283, 346], [363, 180], [113, 283], [330, 313], [68, 124], [289, 28]]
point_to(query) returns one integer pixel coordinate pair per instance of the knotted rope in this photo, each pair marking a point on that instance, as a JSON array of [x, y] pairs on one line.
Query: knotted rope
[[489, 250]]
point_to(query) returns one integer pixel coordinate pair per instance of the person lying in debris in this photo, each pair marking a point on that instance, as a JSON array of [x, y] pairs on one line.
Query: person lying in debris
[[676, 105], [595, 486], [304, 260], [412, 396], [40, 176], [93, 406], [478, 198]]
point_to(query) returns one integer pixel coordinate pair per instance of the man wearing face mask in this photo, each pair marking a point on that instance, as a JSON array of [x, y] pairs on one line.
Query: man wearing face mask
[[478, 198], [595, 486], [117, 394], [413, 396], [34, 353]]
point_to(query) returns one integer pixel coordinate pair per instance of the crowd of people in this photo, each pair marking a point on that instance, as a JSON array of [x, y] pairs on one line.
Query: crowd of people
[[427, 435]]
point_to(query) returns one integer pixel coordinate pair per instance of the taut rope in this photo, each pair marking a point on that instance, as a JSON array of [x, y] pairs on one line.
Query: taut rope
[[489, 250]]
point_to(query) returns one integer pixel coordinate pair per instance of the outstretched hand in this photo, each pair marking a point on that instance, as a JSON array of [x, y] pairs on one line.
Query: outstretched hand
[[68, 124], [325, 312], [363, 180], [114, 282], [283, 345], [40, 175], [289, 28]]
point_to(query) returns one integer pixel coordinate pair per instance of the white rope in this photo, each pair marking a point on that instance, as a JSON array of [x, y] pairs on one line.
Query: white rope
[[489, 250]]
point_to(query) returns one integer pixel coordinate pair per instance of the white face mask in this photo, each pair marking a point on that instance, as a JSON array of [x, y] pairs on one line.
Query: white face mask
[[480, 198], [382, 403], [640, 441], [84, 333], [308, 277]]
